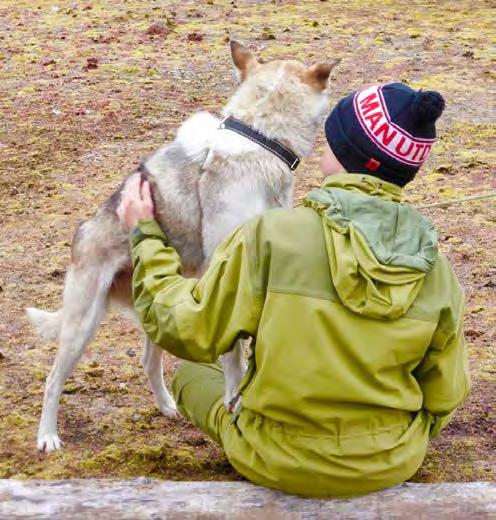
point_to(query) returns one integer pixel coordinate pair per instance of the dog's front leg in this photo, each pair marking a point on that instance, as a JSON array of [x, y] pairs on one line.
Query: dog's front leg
[[153, 365], [234, 366]]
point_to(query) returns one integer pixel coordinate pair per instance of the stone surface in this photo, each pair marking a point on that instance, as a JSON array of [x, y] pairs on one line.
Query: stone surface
[[153, 499]]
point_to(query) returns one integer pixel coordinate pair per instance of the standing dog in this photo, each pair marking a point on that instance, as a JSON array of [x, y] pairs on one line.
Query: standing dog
[[208, 181]]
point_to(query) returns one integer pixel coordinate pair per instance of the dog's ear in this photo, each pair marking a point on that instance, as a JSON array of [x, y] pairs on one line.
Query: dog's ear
[[244, 60], [318, 74]]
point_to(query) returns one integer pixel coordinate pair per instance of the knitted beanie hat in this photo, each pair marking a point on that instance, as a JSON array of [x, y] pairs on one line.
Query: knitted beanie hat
[[384, 130]]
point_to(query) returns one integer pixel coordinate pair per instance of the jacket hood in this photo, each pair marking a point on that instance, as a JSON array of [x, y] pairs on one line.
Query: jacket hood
[[379, 248]]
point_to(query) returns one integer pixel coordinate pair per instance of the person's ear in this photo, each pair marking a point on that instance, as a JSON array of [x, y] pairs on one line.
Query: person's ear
[[317, 75], [329, 164], [244, 60]]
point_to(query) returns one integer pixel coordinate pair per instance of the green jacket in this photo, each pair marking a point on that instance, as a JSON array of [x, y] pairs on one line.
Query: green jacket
[[359, 354]]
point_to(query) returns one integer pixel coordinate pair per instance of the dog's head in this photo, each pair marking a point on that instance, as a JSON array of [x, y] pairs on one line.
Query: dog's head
[[284, 99]]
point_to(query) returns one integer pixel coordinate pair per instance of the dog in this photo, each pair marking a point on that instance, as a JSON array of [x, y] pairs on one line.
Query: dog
[[205, 183]]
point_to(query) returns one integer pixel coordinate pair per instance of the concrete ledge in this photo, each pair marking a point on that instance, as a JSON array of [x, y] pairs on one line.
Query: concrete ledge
[[154, 499]]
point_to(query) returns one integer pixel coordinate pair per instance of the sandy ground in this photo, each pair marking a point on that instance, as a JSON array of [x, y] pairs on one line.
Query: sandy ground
[[89, 88]]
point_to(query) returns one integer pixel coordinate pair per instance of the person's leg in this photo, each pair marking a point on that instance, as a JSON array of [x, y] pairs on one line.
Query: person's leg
[[198, 390]]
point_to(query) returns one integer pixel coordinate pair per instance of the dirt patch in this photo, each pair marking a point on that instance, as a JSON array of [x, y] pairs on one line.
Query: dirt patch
[[89, 89]]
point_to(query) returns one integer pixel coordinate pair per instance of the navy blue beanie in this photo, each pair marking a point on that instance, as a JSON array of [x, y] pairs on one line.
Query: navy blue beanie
[[384, 130]]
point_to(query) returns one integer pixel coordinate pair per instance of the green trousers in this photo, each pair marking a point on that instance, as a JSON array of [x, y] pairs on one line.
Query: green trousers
[[198, 390]]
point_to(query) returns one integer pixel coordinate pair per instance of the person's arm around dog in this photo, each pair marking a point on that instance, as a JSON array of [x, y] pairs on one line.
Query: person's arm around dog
[[194, 319]]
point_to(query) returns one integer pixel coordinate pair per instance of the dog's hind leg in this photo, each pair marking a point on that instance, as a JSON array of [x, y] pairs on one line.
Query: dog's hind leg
[[120, 295], [153, 364], [85, 302]]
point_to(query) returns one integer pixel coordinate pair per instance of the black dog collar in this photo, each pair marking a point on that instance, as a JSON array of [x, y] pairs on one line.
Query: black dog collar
[[272, 145]]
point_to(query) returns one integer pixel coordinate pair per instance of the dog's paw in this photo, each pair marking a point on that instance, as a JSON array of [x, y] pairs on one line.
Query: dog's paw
[[49, 442], [169, 411], [232, 404]]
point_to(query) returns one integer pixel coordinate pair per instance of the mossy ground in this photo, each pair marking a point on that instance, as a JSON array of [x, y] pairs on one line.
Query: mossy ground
[[70, 131]]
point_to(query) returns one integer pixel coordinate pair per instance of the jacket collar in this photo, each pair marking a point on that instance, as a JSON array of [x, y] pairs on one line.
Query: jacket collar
[[364, 183]]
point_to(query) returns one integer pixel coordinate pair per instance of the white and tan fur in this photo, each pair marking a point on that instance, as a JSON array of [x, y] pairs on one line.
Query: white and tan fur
[[205, 183]]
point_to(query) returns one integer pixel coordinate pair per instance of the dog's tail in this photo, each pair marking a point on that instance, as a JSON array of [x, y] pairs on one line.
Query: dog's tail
[[47, 324]]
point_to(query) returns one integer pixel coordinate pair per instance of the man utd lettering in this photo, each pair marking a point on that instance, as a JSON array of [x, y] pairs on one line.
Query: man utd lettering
[[373, 116]]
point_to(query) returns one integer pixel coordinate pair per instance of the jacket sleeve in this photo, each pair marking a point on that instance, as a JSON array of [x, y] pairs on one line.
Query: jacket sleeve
[[443, 373], [194, 319]]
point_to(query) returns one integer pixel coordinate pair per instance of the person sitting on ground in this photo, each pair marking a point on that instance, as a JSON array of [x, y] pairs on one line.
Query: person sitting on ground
[[357, 355]]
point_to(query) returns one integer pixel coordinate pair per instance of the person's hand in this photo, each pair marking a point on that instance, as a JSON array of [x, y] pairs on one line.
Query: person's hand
[[136, 203]]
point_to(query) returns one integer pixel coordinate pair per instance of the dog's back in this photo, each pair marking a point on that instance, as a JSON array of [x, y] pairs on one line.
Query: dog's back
[[175, 171]]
